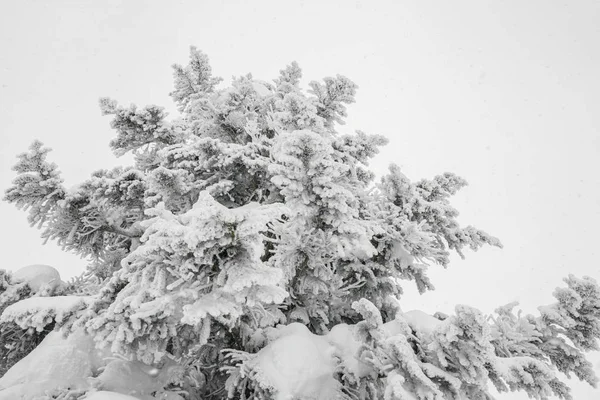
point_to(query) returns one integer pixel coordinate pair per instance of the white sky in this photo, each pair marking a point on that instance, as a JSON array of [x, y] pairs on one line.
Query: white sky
[[503, 93]]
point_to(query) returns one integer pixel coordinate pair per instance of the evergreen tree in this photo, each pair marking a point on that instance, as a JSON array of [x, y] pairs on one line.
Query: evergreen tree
[[249, 253]]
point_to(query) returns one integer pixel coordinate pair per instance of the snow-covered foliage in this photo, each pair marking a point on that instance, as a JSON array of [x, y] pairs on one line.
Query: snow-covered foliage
[[27, 286], [38, 312], [249, 253]]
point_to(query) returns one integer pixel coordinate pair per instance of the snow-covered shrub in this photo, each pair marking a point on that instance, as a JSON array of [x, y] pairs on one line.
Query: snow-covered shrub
[[249, 253], [25, 284]]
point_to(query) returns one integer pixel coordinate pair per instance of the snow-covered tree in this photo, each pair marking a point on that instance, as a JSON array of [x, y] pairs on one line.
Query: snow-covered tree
[[249, 253]]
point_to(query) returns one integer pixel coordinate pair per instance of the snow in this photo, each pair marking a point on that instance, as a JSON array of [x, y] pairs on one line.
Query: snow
[[56, 362], [38, 312], [395, 389], [60, 362], [421, 322], [402, 255], [104, 395], [215, 304], [298, 364], [342, 338], [394, 327], [261, 89], [14, 392], [136, 378], [39, 277]]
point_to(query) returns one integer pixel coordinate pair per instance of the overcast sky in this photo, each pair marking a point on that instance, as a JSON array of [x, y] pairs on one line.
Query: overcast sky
[[504, 93]]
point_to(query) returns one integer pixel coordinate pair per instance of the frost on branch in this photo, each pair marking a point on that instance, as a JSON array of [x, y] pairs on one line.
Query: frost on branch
[[137, 128], [576, 313], [191, 268], [423, 208], [90, 219], [324, 246], [289, 78], [38, 185], [532, 348], [331, 97], [193, 80]]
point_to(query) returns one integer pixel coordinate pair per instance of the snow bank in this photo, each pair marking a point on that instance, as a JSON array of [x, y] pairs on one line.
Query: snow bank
[[39, 277], [56, 362], [37, 312]]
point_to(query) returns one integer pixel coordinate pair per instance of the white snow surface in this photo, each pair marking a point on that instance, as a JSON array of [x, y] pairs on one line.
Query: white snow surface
[[135, 378], [73, 362], [342, 338], [421, 322], [56, 362], [39, 277], [37, 312], [401, 254], [104, 395], [261, 89], [298, 364]]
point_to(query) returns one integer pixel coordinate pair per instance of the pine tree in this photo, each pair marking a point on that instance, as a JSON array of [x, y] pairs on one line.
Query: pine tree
[[249, 253]]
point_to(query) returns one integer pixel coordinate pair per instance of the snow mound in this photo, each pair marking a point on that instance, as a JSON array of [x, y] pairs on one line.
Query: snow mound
[[74, 361], [421, 322], [54, 363], [298, 364], [38, 312], [39, 277]]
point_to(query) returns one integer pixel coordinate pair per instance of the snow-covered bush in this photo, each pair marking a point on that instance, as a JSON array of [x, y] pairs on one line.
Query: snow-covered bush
[[249, 253], [24, 285]]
